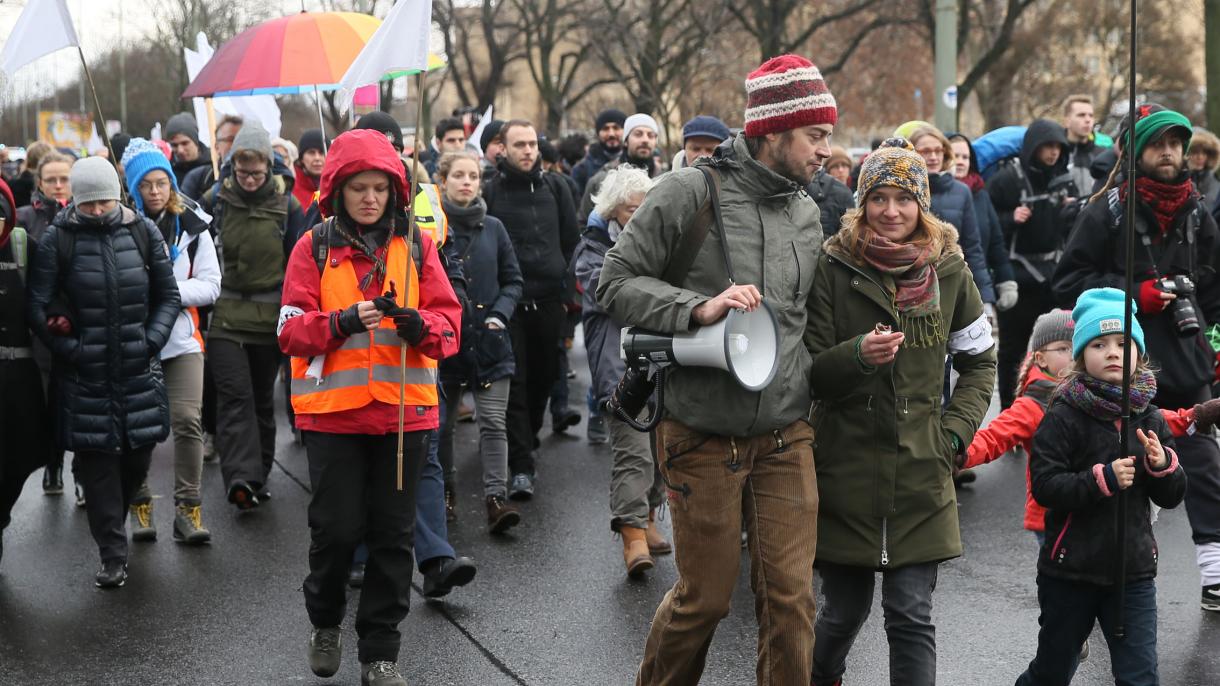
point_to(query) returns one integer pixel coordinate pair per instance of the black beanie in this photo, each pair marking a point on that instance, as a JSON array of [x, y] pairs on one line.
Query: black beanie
[[119, 142], [489, 132], [311, 140], [380, 121], [609, 116]]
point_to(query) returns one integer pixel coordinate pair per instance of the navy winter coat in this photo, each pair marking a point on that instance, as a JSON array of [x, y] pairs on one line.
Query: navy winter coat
[[111, 392], [952, 202]]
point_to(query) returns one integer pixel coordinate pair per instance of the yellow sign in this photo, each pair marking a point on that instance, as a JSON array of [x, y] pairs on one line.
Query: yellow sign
[[65, 129]]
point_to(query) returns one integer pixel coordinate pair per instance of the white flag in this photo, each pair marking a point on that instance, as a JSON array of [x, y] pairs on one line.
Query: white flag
[[43, 27], [262, 108], [477, 135], [399, 44]]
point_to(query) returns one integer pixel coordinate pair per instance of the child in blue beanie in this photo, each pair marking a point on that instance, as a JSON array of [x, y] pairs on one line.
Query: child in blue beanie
[[1077, 476]]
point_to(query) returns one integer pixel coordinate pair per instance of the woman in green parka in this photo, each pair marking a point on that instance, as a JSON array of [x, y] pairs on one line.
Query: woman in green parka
[[892, 297]]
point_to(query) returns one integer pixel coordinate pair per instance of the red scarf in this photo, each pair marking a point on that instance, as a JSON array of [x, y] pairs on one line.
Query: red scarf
[[975, 181], [1165, 199]]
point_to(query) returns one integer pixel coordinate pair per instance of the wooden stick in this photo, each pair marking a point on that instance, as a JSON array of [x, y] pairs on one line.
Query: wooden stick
[[212, 127], [114, 160], [402, 365]]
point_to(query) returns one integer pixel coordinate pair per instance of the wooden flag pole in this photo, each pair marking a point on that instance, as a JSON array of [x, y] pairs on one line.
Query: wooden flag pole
[[102, 117], [212, 127], [411, 227]]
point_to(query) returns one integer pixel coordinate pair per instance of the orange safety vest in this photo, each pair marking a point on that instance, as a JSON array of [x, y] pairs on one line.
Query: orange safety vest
[[366, 367]]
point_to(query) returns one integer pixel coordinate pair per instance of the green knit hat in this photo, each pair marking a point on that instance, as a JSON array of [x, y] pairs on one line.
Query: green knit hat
[[895, 164], [1151, 128]]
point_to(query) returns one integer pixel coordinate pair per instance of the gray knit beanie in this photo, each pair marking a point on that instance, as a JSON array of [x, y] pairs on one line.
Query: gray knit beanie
[[94, 179], [1053, 326], [253, 137], [182, 123]]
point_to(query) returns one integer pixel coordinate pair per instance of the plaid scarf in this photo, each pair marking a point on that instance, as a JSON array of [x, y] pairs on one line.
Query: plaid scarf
[[1165, 199], [918, 293], [1103, 400]]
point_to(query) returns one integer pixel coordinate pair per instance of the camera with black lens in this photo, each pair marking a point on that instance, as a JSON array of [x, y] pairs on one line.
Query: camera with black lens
[[1182, 309]]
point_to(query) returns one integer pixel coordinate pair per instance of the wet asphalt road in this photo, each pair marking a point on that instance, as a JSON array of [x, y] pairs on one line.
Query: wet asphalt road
[[550, 606]]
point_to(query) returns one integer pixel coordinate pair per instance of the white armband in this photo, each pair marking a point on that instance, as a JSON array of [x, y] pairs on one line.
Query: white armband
[[974, 339], [287, 312]]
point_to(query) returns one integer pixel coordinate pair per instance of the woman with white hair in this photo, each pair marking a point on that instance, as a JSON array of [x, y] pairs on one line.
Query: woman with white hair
[[285, 149], [636, 490]]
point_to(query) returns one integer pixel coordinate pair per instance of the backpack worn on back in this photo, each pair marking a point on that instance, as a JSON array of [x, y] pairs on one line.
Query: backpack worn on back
[[21, 250], [65, 244]]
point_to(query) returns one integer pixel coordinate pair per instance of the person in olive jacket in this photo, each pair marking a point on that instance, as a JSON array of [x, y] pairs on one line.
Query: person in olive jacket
[[892, 296], [111, 268]]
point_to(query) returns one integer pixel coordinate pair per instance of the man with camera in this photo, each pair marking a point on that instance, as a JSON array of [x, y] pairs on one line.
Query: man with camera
[[1177, 254], [725, 452]]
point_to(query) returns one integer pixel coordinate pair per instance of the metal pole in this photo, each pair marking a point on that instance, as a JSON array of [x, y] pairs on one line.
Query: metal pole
[[945, 91], [317, 97], [1124, 438], [1211, 49], [402, 364]]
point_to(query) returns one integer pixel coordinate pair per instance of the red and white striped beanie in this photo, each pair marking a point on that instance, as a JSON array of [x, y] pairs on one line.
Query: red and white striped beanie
[[785, 93]]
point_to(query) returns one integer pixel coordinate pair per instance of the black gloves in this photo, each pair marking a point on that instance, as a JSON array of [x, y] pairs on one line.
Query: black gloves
[[347, 322], [411, 327], [387, 303]]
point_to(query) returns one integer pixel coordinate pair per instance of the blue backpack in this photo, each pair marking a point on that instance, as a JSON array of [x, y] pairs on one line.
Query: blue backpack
[[993, 147]]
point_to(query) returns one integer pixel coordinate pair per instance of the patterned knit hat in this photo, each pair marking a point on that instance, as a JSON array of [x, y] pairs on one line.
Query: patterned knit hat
[[1056, 325], [785, 93], [895, 164], [140, 158]]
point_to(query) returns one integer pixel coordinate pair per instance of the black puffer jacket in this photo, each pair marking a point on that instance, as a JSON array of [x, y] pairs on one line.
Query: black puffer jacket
[[1080, 518], [481, 247], [833, 199], [38, 215], [111, 392], [1095, 257], [540, 216], [1047, 227]]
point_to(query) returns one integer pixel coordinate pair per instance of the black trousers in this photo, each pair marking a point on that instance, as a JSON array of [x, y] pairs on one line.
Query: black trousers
[[1015, 327], [536, 329], [111, 481], [1200, 457], [245, 408], [355, 499], [25, 430]]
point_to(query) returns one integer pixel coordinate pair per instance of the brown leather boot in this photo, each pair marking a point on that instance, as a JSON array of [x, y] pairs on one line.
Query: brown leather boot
[[635, 551], [657, 545], [501, 515]]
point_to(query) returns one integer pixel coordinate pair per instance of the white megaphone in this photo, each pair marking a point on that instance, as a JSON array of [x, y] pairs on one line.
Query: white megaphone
[[744, 344]]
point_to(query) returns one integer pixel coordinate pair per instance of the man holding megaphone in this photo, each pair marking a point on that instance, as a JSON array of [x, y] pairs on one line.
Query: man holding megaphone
[[717, 264]]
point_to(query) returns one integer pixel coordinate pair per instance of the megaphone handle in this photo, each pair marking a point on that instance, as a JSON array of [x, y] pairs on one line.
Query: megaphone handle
[[657, 414]]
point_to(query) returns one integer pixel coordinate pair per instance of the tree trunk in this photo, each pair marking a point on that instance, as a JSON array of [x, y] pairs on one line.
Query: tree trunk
[[1211, 41]]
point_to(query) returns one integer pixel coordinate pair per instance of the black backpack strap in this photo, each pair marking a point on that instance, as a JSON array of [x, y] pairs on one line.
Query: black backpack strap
[[139, 234], [65, 248], [695, 235], [321, 243]]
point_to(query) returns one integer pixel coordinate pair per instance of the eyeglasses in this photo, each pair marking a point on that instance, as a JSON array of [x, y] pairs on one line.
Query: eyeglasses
[[1057, 350], [253, 176], [160, 185]]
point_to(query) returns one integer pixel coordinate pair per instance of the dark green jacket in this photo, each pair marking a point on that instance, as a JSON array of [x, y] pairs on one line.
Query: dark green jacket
[[882, 446], [775, 235]]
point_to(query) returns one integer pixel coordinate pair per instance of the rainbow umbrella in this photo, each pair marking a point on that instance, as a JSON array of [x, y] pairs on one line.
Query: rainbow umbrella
[[304, 52]]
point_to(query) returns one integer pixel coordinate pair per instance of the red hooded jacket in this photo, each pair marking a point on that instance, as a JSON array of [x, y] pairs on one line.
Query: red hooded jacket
[[1016, 426], [303, 185], [8, 210], [304, 330]]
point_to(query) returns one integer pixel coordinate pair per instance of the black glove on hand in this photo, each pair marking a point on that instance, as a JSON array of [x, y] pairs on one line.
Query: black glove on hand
[[348, 321], [411, 327], [387, 303]]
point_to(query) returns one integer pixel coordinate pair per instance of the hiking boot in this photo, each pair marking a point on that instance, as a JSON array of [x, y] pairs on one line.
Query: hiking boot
[[450, 511], [325, 651], [657, 545], [53, 480], [243, 496], [113, 574], [1211, 598], [522, 487], [501, 516], [596, 431], [355, 575], [209, 448], [80, 495], [447, 574], [381, 674], [563, 420], [635, 552], [188, 525], [142, 522]]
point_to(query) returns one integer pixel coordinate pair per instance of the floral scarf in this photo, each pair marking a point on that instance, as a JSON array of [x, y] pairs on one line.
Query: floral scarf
[[918, 296], [1103, 400]]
